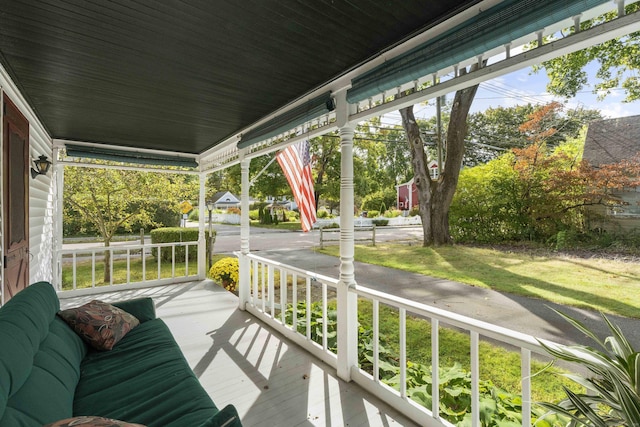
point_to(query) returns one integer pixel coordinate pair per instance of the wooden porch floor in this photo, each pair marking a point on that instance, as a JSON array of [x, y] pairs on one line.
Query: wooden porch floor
[[241, 361]]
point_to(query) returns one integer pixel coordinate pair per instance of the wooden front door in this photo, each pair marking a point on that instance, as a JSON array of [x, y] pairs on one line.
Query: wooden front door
[[15, 200]]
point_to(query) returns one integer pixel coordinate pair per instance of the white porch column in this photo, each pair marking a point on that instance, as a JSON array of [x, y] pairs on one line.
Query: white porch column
[[347, 301], [244, 265], [202, 245], [58, 215]]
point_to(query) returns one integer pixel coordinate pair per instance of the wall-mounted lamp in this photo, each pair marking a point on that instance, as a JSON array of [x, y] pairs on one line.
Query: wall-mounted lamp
[[42, 165]]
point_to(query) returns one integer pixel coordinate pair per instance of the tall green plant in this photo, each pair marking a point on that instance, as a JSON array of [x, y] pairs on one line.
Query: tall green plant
[[612, 395]]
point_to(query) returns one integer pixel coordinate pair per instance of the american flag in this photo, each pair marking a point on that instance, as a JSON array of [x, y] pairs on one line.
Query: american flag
[[295, 163]]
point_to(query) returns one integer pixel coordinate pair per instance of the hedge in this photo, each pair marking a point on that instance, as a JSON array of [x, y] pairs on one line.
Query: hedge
[[178, 234]]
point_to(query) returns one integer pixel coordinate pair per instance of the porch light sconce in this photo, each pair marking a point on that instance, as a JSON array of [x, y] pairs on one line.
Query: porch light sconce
[[42, 166]]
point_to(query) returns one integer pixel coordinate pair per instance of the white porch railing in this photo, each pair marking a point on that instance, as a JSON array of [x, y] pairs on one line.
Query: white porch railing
[[274, 297], [137, 269]]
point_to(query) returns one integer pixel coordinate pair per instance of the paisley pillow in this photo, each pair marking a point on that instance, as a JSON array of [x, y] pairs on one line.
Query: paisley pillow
[[87, 421], [100, 324]]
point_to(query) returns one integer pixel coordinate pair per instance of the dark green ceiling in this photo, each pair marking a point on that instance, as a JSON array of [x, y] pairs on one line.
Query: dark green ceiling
[[182, 75]]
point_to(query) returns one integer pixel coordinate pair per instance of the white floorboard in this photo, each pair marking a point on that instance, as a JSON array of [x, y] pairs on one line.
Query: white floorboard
[[240, 361]]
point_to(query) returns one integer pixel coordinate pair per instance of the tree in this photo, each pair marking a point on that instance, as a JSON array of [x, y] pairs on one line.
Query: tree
[[435, 196], [500, 127], [115, 199], [619, 62]]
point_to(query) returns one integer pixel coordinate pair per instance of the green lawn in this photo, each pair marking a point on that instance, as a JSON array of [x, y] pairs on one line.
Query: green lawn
[[598, 284], [84, 272]]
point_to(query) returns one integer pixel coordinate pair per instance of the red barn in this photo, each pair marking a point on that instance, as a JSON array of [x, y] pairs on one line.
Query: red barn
[[407, 196]]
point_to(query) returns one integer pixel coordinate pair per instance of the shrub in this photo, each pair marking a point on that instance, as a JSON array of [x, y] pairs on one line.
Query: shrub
[[254, 214], [176, 234], [225, 273], [380, 222], [380, 200], [322, 213], [414, 211], [373, 214], [233, 210], [392, 213]]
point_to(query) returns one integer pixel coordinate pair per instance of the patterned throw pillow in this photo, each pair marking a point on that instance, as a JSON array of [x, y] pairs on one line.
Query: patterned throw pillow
[[100, 324], [91, 422]]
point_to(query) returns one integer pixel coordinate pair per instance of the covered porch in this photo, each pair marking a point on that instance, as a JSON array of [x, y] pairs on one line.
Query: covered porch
[[97, 81]]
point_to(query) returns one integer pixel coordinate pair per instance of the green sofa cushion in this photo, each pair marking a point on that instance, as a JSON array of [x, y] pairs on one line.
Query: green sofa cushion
[[142, 308], [39, 359], [143, 379]]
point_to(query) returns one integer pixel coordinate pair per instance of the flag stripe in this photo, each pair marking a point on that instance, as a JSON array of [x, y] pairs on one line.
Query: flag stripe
[[296, 165]]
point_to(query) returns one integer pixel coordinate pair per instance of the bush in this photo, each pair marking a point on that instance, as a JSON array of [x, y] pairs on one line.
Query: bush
[[194, 215], [373, 214], [380, 222], [225, 273], [254, 214], [414, 211], [322, 213], [380, 200], [177, 234], [233, 210], [392, 213]]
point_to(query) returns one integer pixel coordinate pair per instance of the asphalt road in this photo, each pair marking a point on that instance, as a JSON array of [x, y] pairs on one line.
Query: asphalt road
[[265, 239]]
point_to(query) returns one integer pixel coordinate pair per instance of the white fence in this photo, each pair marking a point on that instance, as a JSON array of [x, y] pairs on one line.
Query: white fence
[[125, 265], [276, 291], [398, 221]]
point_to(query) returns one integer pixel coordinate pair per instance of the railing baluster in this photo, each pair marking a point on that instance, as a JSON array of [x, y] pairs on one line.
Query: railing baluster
[[173, 260], [435, 368], [144, 267], [271, 292], [403, 352], [525, 373], [308, 307], [128, 266], [74, 271], [264, 278], [324, 316], [110, 266], [294, 301], [93, 269], [376, 340], [186, 259], [159, 264], [283, 295], [475, 379]]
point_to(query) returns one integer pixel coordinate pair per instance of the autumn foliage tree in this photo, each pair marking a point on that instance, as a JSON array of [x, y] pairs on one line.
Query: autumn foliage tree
[[532, 193]]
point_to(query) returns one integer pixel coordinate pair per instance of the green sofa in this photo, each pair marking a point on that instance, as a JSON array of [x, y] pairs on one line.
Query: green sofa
[[48, 373]]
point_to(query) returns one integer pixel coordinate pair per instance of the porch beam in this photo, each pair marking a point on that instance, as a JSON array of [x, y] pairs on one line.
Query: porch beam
[[347, 301], [619, 27]]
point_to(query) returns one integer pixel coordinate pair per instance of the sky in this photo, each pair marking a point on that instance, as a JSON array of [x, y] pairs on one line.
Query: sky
[[523, 87]]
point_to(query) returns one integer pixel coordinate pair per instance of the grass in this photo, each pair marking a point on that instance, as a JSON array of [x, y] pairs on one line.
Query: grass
[[598, 284]]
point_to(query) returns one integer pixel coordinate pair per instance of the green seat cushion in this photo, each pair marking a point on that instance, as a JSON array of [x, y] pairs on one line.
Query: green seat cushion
[[39, 359], [144, 379]]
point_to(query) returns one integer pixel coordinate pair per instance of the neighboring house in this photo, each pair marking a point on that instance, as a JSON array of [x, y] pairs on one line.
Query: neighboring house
[[610, 141], [225, 200], [407, 193]]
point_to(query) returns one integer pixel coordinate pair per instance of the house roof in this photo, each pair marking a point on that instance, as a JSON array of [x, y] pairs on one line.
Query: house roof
[[184, 76], [612, 140], [216, 198]]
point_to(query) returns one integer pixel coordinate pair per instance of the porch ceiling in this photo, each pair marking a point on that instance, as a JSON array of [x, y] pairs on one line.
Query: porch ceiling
[[182, 76]]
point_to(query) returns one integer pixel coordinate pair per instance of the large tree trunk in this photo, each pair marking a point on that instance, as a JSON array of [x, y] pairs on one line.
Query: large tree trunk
[[434, 197]]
